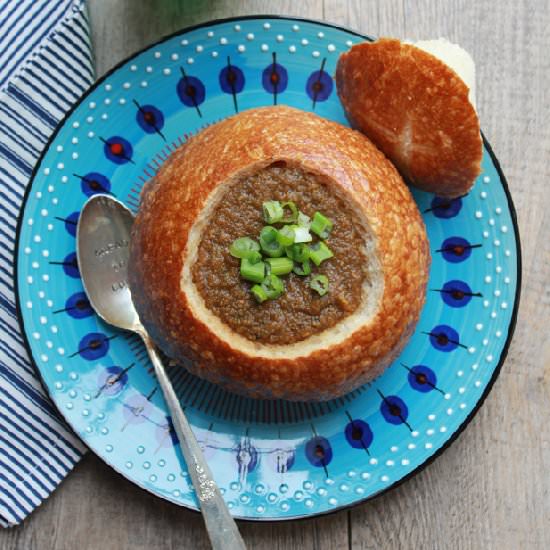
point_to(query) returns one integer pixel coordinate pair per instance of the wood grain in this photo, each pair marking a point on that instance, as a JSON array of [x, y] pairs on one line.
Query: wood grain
[[491, 489]]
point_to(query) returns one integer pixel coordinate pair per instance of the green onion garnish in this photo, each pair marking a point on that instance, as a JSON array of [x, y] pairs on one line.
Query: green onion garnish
[[285, 235], [259, 293], [280, 266], [273, 286], [302, 269], [319, 252], [301, 234], [321, 225], [319, 283], [298, 252], [291, 217], [273, 211], [254, 272], [269, 243], [304, 220], [245, 247], [283, 249]]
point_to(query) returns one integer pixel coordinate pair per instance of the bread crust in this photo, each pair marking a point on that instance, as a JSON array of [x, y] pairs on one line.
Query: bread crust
[[178, 193], [416, 110]]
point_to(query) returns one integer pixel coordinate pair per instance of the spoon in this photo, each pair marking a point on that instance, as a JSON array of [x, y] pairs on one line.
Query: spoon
[[103, 239]]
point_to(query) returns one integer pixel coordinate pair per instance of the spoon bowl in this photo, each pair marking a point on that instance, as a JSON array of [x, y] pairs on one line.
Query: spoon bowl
[[103, 240]]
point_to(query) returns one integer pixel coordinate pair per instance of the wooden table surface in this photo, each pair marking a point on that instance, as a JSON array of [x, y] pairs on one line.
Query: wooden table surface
[[491, 489]]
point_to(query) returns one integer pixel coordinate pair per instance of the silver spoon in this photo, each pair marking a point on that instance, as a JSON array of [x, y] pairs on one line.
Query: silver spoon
[[103, 238]]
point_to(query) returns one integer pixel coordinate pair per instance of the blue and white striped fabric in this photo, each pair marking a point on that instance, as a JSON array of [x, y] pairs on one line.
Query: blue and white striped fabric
[[45, 65]]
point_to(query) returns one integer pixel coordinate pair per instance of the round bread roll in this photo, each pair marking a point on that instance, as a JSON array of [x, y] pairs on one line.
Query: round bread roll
[[416, 109], [301, 346]]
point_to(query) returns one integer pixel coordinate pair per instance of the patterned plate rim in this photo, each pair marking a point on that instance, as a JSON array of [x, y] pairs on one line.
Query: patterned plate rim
[[510, 204]]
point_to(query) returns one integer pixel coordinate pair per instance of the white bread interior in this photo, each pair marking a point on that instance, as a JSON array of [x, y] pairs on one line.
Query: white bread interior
[[455, 57], [373, 287]]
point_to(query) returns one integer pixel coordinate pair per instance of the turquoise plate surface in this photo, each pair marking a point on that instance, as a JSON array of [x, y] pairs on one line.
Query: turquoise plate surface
[[273, 460]]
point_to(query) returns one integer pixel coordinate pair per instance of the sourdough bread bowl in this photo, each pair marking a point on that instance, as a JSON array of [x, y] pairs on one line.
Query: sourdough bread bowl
[[302, 346], [416, 103]]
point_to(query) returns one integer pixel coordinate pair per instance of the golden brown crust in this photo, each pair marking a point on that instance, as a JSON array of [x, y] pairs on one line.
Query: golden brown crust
[[398, 95], [178, 193]]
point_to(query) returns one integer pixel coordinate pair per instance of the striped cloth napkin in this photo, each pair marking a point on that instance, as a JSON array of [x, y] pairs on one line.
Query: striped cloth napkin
[[46, 63]]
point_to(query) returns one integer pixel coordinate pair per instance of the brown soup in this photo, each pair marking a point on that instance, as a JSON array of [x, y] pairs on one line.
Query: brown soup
[[300, 312]]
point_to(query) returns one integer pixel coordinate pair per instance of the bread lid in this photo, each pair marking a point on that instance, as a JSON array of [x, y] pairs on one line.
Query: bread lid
[[416, 109]]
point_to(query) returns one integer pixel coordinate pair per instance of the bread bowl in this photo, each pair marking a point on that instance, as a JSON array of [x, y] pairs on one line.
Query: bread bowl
[[417, 109], [186, 285]]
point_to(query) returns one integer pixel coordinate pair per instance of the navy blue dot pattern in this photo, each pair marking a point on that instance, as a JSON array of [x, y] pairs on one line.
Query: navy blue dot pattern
[[444, 338], [78, 306], [93, 183], [394, 410], [319, 451], [118, 150], [191, 91], [93, 345], [422, 378], [358, 434], [150, 119]]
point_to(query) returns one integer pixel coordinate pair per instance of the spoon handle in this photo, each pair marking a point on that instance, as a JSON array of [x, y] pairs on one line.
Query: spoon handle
[[220, 525]]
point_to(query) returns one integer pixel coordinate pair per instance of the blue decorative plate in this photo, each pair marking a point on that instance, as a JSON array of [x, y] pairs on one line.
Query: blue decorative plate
[[272, 459]]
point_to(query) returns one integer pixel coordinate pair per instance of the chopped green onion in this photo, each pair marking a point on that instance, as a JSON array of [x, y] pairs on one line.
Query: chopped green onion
[[321, 225], [252, 272], [298, 252], [259, 293], [273, 286], [280, 266], [301, 234], [319, 283], [319, 252], [273, 211], [293, 216], [285, 235], [302, 269], [304, 220], [245, 247], [269, 243], [282, 251]]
